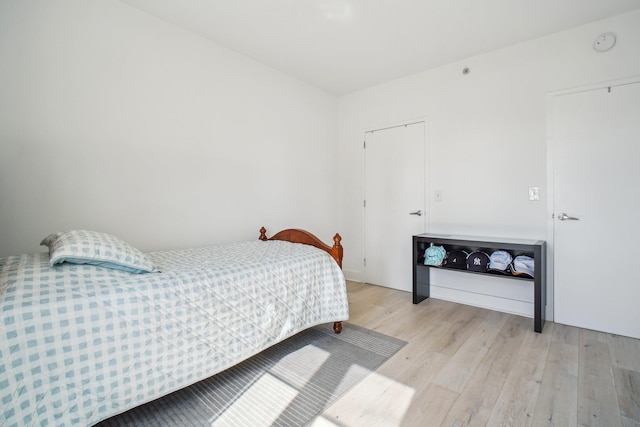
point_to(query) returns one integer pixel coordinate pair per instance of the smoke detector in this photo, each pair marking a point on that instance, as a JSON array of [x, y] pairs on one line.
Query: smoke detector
[[604, 42]]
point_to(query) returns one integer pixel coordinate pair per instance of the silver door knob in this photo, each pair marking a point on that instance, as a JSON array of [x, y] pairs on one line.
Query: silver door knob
[[418, 212], [564, 217]]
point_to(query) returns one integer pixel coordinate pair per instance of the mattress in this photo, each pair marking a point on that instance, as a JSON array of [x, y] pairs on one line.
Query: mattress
[[80, 343]]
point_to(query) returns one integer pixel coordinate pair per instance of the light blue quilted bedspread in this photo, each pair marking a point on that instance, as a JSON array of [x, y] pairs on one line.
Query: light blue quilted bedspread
[[81, 343]]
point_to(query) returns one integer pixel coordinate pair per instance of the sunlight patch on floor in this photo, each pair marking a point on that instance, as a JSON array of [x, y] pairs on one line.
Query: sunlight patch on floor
[[378, 400], [323, 422], [298, 368], [264, 401]]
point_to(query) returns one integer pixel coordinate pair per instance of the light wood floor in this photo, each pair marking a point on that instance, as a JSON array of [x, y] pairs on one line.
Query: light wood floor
[[467, 366]]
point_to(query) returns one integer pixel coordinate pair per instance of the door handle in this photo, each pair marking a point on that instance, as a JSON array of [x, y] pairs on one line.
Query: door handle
[[418, 212], [564, 217]]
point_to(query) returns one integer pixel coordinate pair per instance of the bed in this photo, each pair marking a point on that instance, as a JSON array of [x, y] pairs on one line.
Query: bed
[[81, 341]]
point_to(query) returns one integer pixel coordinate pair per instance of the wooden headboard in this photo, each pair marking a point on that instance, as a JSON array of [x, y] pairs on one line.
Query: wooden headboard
[[301, 236]]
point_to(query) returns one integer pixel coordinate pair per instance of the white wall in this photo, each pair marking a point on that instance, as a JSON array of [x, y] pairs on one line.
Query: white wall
[[113, 120], [487, 140]]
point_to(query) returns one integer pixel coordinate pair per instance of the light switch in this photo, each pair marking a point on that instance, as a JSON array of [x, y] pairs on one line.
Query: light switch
[[534, 193], [437, 195]]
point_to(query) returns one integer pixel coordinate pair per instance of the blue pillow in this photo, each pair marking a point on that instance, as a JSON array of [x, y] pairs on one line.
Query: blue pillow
[[95, 248]]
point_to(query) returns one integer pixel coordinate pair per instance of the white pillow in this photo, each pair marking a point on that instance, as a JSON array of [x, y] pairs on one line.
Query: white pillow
[[95, 248]]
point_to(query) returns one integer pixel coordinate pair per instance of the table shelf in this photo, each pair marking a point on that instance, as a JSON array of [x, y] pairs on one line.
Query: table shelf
[[533, 248]]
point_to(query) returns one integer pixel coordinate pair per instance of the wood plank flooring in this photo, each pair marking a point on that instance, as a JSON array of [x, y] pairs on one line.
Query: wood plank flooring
[[467, 366]]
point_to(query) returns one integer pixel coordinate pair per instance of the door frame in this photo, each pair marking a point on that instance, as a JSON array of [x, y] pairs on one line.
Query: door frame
[[427, 179], [551, 96]]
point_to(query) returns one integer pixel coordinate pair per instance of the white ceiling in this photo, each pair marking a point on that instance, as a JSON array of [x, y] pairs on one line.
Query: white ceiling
[[345, 45]]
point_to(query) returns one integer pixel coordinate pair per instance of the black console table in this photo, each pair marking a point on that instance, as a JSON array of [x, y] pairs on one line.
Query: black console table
[[533, 248]]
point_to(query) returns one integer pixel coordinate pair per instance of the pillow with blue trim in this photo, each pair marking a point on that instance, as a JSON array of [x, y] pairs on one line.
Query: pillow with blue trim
[[95, 248]]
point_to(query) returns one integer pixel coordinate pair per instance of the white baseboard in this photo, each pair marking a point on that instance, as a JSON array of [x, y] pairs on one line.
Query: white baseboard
[[521, 308], [486, 291], [353, 275]]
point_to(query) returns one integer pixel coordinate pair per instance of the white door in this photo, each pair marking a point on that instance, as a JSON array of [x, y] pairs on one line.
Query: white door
[[395, 207], [596, 160]]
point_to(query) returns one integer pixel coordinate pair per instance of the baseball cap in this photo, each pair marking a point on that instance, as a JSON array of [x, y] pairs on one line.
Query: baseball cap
[[523, 265], [499, 261], [434, 255], [478, 261], [456, 258]]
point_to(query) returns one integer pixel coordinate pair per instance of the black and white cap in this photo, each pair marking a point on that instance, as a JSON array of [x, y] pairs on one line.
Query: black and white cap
[[478, 261]]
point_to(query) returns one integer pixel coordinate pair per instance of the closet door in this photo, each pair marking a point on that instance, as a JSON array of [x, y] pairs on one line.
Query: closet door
[[596, 178], [395, 202]]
